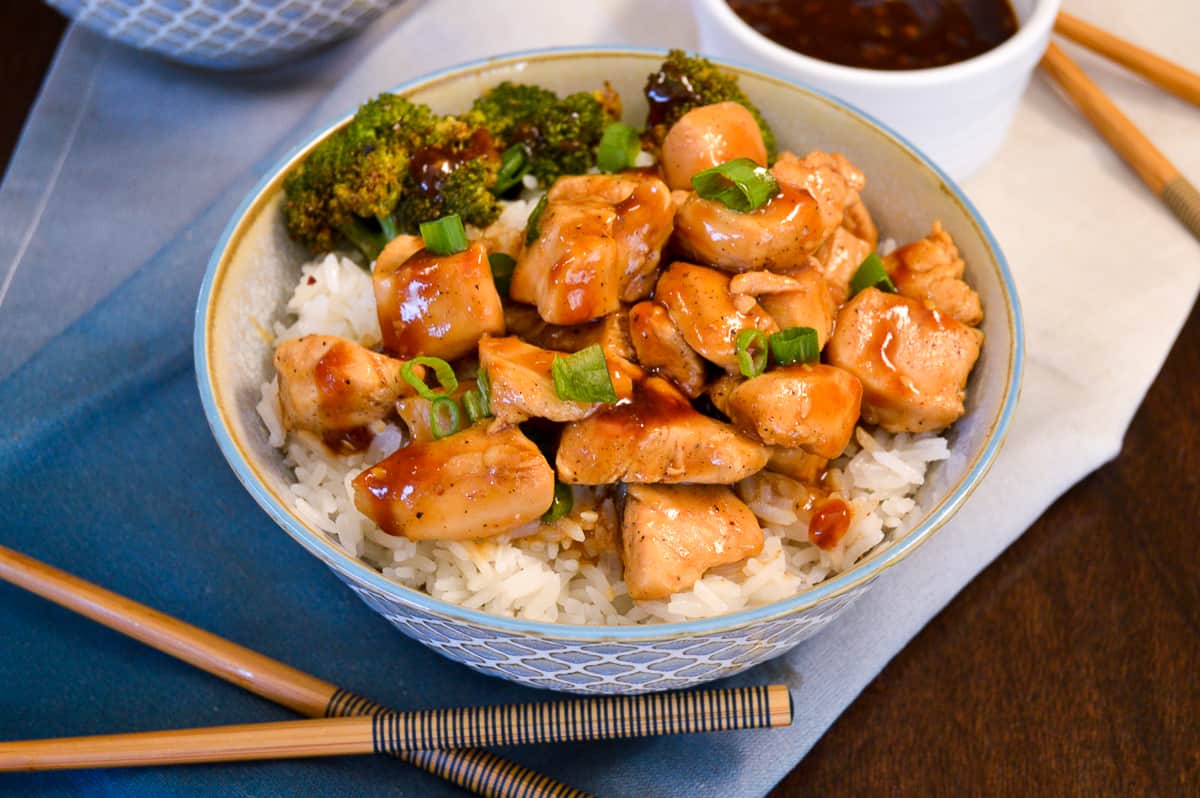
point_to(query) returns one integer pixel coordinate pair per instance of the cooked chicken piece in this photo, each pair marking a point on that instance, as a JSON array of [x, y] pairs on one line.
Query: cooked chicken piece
[[414, 411], [571, 271], [437, 305], [798, 464], [931, 270], [661, 348], [398, 250], [472, 484], [913, 362], [858, 223], [645, 218], [672, 534], [329, 385], [611, 332], [522, 383], [797, 299], [709, 136], [828, 177], [779, 235], [707, 314], [720, 389], [813, 407], [838, 259], [656, 437]]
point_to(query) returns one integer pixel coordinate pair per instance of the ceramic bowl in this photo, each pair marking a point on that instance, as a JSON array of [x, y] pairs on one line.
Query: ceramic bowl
[[255, 267], [957, 114], [224, 34]]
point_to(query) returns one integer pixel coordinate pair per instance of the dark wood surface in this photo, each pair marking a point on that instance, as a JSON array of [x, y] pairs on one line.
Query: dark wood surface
[[1071, 666]]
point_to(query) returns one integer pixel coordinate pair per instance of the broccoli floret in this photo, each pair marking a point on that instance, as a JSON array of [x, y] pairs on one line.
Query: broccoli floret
[[352, 185], [684, 82], [559, 134]]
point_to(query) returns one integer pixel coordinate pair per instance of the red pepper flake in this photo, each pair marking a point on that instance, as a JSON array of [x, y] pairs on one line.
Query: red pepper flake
[[312, 280]]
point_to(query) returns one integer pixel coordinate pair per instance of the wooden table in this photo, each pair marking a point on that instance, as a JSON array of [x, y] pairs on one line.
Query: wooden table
[[1071, 666]]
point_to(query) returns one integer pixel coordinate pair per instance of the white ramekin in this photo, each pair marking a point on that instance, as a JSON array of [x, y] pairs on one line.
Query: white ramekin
[[958, 114]]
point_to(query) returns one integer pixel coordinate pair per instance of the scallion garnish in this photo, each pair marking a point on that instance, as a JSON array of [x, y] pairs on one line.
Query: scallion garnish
[[444, 236], [475, 405], [533, 228], [562, 504], [514, 165], [441, 369], [751, 352], [502, 271], [740, 184], [618, 148], [444, 418], [583, 376], [795, 345], [871, 274], [485, 388]]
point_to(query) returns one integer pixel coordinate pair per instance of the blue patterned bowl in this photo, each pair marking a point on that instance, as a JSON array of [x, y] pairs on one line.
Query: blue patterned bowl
[[255, 266], [224, 34]]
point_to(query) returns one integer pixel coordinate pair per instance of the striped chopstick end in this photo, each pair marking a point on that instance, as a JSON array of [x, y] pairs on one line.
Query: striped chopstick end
[[1184, 201], [689, 712], [345, 704]]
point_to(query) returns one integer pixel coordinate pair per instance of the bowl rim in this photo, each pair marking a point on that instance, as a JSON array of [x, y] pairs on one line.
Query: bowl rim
[[996, 59], [354, 569]]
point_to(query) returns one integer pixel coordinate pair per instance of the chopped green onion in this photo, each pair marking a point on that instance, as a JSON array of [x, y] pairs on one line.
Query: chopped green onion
[[441, 369], [751, 352], [502, 271], [388, 225], [475, 405], [795, 345], [871, 274], [514, 165], [533, 228], [444, 236], [618, 148], [562, 504], [444, 418], [485, 388], [740, 184], [583, 376]]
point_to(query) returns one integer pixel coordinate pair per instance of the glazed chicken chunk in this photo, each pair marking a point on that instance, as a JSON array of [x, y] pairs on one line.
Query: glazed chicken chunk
[[438, 305], [931, 270], [708, 315], [913, 361], [780, 235], [655, 437], [709, 136], [672, 534], [570, 271], [797, 299], [645, 215], [661, 347], [522, 383], [838, 259], [329, 384], [472, 484], [814, 407]]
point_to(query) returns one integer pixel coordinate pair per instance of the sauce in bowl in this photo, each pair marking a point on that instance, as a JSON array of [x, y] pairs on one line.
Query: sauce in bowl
[[883, 34]]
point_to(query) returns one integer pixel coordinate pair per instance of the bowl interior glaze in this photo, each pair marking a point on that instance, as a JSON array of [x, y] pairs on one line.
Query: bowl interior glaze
[[254, 269]]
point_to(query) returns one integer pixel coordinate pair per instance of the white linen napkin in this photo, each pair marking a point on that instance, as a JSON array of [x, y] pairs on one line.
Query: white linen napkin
[[124, 150]]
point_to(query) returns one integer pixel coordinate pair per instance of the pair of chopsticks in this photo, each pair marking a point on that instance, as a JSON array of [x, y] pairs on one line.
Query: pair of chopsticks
[[430, 740], [1155, 170]]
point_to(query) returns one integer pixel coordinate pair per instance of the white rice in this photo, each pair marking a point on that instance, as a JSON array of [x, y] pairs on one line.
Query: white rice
[[546, 572]]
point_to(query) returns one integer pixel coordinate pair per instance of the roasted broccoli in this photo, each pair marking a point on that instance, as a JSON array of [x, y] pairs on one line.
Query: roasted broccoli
[[351, 186], [559, 134], [397, 164], [684, 82]]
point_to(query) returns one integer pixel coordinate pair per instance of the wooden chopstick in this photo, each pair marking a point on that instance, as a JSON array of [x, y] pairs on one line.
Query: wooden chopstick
[[612, 717], [1167, 74], [478, 771], [1151, 165]]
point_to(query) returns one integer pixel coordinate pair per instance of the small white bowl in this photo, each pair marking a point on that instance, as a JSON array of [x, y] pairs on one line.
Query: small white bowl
[[957, 114]]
